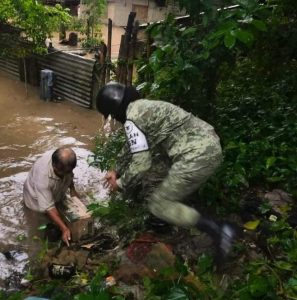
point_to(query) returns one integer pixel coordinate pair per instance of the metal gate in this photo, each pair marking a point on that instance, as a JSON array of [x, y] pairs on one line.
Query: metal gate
[[73, 76], [10, 66]]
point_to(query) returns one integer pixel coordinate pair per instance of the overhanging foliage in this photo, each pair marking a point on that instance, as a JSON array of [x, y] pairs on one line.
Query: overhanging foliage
[[35, 20]]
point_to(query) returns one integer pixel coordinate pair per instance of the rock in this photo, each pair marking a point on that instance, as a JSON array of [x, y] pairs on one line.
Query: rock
[[71, 257], [145, 257], [130, 273], [278, 199], [159, 258]]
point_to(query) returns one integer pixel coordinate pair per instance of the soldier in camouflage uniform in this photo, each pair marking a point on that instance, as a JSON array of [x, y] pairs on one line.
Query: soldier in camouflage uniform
[[159, 128]]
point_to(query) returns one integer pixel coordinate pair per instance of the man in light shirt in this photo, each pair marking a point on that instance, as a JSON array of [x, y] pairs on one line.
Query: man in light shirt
[[47, 183]]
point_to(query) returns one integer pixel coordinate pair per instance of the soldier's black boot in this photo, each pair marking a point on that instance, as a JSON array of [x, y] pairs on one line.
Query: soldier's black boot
[[223, 236]]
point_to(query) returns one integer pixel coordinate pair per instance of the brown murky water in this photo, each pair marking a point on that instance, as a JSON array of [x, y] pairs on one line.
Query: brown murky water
[[28, 128]]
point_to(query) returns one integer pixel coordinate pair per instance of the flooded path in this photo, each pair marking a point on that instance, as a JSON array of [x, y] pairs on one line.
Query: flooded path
[[28, 128]]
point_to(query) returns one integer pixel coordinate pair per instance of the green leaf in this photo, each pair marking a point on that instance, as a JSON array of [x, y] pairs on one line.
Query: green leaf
[[118, 297], [274, 179], [146, 282], [181, 267], [189, 31], [102, 295], [258, 286], [227, 26], [21, 237], [283, 265], [204, 55], [167, 272], [244, 36], [264, 207], [251, 225], [168, 49], [231, 145], [177, 293], [270, 161], [142, 85], [98, 210], [204, 20], [204, 263], [240, 178], [279, 225], [229, 40], [102, 270], [292, 283], [260, 25], [42, 227], [141, 69]]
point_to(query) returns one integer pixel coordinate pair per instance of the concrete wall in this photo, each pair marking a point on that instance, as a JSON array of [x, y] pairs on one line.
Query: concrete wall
[[118, 11], [147, 11]]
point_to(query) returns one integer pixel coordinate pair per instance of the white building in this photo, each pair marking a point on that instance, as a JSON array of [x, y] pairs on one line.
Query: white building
[[147, 11]]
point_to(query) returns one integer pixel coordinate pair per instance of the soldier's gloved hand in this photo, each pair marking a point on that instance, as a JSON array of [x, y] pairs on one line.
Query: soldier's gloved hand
[[111, 181], [66, 236]]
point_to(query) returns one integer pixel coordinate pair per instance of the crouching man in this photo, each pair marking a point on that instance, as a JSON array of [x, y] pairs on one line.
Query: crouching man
[[47, 183]]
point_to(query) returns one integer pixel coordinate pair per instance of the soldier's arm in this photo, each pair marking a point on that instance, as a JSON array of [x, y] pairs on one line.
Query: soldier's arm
[[123, 160], [141, 163], [141, 159]]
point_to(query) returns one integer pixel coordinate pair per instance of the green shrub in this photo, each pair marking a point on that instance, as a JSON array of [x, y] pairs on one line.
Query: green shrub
[[256, 120]]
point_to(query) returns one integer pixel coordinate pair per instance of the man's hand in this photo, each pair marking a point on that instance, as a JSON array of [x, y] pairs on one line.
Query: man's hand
[[110, 181], [56, 218], [66, 236]]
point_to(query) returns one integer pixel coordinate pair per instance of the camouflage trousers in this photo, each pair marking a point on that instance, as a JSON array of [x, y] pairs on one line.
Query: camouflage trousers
[[183, 179], [169, 183]]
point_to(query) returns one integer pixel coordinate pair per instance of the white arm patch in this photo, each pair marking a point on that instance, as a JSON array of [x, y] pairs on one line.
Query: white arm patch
[[136, 138]]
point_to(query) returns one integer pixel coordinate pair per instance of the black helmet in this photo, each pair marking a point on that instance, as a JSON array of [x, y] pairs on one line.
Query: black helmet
[[109, 98], [114, 98]]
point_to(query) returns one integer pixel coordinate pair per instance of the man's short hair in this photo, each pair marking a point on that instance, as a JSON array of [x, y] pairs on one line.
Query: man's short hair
[[64, 158]]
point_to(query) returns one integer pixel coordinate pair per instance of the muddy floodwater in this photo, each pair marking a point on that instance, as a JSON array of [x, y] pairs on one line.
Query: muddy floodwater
[[28, 128]]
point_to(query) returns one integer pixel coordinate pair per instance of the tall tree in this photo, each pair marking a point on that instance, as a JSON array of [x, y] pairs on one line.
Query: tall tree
[[95, 9]]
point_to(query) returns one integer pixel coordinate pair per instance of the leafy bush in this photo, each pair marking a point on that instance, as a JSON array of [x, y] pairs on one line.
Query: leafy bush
[[77, 24], [35, 20], [107, 148], [256, 120], [91, 43]]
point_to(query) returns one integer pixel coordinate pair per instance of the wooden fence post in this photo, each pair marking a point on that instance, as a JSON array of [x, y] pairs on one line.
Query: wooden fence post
[[132, 53], [124, 49], [108, 57]]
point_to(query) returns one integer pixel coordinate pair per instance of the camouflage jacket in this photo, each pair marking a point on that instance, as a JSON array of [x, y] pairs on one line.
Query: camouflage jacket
[[153, 126]]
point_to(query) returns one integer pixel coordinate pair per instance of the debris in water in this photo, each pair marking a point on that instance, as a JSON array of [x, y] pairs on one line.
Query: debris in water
[[61, 271]]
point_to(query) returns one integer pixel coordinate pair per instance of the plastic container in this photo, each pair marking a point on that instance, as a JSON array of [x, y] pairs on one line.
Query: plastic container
[[46, 84], [61, 271]]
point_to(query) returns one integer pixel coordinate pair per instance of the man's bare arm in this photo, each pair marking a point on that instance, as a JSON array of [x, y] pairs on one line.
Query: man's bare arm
[[55, 216]]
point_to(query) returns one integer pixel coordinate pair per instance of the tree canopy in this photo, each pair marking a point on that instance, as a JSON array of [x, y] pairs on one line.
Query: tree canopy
[[35, 21]]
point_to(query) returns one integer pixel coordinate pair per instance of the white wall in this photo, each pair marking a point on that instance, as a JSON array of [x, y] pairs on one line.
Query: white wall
[[118, 10]]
